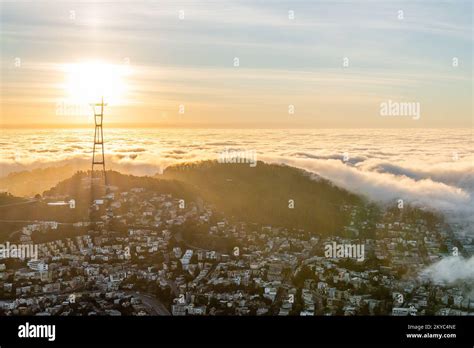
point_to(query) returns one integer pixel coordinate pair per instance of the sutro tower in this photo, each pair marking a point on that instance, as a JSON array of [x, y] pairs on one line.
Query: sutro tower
[[98, 158]]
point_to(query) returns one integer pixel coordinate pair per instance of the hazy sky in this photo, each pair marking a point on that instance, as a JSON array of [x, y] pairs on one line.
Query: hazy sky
[[183, 53]]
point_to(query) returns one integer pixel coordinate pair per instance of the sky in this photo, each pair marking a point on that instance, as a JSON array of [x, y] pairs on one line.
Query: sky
[[238, 64]]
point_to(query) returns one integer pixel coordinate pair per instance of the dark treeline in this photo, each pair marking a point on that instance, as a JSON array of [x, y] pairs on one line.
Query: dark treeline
[[262, 194]]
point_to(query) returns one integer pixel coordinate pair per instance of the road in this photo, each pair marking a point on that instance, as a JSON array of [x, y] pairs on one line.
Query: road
[[10, 236], [19, 203], [179, 238], [158, 308]]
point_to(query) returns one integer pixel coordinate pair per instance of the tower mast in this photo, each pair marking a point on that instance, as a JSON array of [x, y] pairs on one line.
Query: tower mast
[[98, 158]]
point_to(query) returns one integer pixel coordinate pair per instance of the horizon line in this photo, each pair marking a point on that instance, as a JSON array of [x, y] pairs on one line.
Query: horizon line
[[203, 126]]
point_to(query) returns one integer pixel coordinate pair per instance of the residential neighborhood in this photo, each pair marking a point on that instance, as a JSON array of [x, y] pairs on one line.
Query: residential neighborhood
[[154, 254]]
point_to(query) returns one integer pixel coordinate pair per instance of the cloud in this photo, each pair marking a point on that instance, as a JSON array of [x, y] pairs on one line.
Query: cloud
[[383, 165], [386, 187], [458, 173], [137, 149], [349, 160], [451, 269]]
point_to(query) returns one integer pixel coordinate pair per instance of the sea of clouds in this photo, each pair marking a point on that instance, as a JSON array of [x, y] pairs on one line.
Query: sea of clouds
[[428, 168]]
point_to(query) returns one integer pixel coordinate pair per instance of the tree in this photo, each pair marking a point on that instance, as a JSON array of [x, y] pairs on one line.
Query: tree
[[304, 273]]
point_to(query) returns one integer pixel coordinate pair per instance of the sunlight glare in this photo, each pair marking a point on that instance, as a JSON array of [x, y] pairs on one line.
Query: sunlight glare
[[88, 82]]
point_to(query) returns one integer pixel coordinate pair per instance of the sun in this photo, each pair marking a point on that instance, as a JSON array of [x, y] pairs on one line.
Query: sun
[[89, 82]]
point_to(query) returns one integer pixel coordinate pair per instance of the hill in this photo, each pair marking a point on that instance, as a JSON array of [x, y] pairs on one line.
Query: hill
[[7, 198], [78, 188], [30, 183], [262, 194]]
